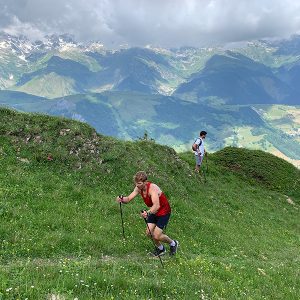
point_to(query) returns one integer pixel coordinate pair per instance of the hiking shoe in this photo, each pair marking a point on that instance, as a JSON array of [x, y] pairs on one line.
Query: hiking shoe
[[173, 249], [158, 252]]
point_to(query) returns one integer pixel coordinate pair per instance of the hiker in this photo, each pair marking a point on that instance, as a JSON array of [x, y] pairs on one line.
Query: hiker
[[157, 216], [199, 150]]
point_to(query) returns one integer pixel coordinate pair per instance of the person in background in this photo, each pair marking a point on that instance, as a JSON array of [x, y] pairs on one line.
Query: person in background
[[199, 150]]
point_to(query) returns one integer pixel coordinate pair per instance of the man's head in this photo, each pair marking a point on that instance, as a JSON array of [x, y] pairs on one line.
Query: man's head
[[203, 134], [140, 179]]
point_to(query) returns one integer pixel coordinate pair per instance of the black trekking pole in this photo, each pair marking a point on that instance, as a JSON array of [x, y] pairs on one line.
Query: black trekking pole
[[204, 174], [203, 170], [152, 238], [121, 211]]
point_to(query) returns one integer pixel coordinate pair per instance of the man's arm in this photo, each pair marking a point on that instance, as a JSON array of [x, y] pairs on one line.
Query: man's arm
[[154, 193], [126, 199]]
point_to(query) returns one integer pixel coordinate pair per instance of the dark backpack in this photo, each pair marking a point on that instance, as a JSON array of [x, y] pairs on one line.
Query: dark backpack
[[196, 146]]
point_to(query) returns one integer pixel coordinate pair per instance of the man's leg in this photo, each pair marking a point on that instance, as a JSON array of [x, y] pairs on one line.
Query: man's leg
[[152, 228], [161, 223], [159, 249], [159, 236], [198, 163]]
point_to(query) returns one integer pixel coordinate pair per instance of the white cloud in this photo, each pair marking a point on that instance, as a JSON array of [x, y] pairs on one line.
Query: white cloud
[[18, 28], [170, 23]]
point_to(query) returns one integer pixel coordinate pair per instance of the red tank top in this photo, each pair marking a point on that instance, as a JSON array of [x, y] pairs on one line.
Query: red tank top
[[163, 202]]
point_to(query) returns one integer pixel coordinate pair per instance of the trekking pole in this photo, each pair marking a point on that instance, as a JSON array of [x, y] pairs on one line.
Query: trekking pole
[[152, 237], [203, 170], [121, 211], [204, 174]]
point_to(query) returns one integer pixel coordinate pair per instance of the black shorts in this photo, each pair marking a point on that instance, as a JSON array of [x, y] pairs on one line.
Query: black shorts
[[159, 221]]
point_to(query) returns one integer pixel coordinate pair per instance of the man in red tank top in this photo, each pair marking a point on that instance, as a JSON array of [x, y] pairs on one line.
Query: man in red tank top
[[158, 214]]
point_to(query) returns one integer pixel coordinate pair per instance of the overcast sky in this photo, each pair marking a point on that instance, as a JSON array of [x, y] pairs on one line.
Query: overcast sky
[[167, 23]]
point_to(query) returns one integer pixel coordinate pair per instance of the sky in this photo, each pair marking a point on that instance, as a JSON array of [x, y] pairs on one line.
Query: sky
[[165, 23]]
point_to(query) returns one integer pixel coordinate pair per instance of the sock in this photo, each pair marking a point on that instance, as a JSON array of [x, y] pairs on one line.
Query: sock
[[161, 247], [172, 243]]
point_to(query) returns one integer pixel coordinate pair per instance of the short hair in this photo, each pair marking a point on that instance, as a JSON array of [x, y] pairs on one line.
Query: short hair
[[140, 176], [203, 133]]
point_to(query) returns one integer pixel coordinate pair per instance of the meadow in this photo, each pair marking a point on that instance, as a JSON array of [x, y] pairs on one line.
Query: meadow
[[61, 236]]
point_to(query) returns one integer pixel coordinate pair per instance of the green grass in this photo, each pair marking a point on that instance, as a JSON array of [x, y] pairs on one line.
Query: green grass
[[61, 237], [258, 166], [49, 85]]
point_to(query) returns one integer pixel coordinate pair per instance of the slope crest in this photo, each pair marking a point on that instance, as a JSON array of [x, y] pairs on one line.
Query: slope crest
[[255, 165]]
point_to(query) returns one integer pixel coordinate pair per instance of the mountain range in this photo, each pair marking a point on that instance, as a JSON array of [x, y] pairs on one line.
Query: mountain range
[[245, 96]]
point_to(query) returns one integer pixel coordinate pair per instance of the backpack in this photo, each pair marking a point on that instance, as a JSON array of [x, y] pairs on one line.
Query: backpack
[[196, 146]]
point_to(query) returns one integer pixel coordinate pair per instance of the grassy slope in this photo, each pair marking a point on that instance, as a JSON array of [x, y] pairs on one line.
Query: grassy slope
[[49, 85], [61, 229]]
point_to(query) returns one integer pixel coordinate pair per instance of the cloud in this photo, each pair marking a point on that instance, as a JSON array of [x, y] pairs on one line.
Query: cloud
[[169, 23]]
